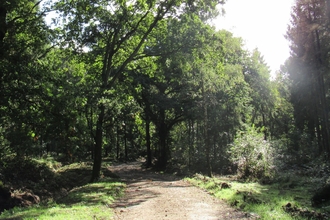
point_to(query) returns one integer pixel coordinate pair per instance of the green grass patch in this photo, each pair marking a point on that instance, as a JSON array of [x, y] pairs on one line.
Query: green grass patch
[[64, 190], [91, 201], [50, 162], [265, 200]]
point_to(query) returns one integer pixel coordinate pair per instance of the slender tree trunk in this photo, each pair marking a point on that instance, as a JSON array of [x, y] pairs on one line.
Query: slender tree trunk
[[315, 122], [264, 123], [90, 122], [3, 26], [322, 95], [215, 155], [193, 141], [324, 115], [163, 157], [162, 134], [125, 143], [117, 143], [149, 157], [199, 137], [98, 145], [67, 152], [189, 143], [206, 133], [109, 134]]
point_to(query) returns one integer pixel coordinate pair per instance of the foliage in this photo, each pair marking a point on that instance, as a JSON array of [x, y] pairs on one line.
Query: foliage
[[90, 201], [16, 169], [265, 201], [64, 190], [4, 143], [253, 155], [122, 79], [308, 68], [24, 40]]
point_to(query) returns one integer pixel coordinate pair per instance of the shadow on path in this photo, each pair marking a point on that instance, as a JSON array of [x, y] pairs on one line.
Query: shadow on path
[[150, 195]]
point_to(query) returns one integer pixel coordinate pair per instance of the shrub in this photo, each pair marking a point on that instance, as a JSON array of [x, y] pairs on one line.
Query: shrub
[[26, 170], [4, 143], [253, 155]]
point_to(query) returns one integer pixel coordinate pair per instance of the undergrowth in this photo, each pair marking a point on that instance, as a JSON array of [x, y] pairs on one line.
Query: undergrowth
[[267, 201], [91, 201], [64, 192]]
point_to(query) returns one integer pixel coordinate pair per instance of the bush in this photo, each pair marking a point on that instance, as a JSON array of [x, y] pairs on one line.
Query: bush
[[4, 143], [26, 170], [253, 155]]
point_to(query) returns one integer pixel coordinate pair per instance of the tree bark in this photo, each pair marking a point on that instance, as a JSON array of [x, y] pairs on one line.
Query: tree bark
[[98, 146], [206, 133], [322, 95], [117, 143], [149, 156], [189, 143], [125, 142], [162, 134], [3, 24]]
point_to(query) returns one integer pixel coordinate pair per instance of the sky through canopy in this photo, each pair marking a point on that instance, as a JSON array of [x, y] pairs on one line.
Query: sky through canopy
[[262, 24]]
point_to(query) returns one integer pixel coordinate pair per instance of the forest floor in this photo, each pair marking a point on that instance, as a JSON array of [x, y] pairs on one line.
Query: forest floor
[[51, 190], [153, 195]]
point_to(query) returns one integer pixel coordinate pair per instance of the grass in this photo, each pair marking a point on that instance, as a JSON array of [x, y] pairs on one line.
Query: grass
[[83, 201], [266, 201], [50, 162], [91, 201]]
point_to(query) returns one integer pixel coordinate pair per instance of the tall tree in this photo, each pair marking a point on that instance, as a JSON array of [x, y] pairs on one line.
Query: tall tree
[[117, 32], [308, 68], [257, 75], [24, 40]]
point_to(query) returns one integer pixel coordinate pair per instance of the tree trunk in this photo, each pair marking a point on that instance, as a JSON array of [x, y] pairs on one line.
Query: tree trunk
[[322, 95], [149, 159], [264, 123], [215, 155], [125, 143], [3, 26], [163, 157], [314, 123], [206, 133], [162, 134], [189, 143], [117, 143], [198, 137], [98, 146]]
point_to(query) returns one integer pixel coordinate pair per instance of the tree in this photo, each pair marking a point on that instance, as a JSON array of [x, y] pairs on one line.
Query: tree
[[308, 68], [116, 33], [220, 100], [257, 75], [24, 41]]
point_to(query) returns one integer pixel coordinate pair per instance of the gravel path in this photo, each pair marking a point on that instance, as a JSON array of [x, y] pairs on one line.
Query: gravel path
[[153, 196]]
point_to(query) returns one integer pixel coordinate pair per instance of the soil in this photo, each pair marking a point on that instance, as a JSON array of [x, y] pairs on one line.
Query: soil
[[150, 195]]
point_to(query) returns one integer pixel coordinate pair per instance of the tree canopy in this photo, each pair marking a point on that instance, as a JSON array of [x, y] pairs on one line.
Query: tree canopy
[[122, 79]]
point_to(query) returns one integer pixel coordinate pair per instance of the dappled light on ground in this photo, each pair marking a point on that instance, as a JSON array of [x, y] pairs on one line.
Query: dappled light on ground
[[152, 195]]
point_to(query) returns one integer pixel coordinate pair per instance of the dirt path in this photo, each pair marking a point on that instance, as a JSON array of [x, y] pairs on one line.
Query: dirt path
[[152, 196]]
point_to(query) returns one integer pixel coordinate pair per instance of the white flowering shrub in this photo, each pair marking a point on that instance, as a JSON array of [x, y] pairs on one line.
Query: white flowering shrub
[[253, 155]]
